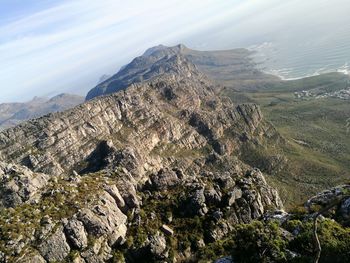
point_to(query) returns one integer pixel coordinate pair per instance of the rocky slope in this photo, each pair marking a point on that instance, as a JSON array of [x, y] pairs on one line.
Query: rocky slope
[[126, 175], [12, 114], [232, 68]]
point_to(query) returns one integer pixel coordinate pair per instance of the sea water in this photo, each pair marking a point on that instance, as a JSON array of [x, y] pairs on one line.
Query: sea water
[[298, 57]]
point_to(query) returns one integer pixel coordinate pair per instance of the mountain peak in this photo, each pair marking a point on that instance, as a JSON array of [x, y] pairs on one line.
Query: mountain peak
[[160, 61], [178, 48]]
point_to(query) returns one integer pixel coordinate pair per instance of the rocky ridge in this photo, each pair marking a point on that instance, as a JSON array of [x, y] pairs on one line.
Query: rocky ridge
[[231, 68]]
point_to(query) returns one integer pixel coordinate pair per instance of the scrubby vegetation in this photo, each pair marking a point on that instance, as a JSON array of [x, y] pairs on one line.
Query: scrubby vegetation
[[317, 139], [269, 240]]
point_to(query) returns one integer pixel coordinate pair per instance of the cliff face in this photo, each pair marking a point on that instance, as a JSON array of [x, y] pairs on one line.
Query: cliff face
[[179, 107], [132, 165]]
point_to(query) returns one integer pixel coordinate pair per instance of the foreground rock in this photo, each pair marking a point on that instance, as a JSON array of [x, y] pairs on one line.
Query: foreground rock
[[19, 184]]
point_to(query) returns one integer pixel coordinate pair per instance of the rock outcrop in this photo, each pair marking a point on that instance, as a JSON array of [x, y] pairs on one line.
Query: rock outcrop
[[339, 195], [19, 184]]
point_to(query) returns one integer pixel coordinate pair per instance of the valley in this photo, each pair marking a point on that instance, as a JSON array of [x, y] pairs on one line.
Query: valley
[[318, 141]]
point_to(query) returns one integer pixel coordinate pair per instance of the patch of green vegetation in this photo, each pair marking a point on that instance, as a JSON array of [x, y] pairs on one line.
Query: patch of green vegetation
[[317, 139], [268, 242], [256, 242], [334, 239]]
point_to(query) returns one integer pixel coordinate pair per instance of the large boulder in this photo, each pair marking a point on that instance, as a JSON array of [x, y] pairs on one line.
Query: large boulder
[[55, 247], [164, 179], [19, 184], [76, 234], [104, 219], [157, 246], [196, 203]]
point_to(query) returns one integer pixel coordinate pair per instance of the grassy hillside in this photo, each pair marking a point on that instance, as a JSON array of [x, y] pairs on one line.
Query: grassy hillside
[[316, 130]]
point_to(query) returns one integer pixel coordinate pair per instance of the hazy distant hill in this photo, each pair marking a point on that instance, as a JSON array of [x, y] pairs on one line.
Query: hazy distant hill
[[12, 114]]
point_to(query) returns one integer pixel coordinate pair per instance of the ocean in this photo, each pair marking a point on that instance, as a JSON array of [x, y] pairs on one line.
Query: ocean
[[298, 58]]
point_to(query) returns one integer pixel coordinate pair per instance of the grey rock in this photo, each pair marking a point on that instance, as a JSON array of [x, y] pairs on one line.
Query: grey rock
[[75, 233], [104, 219], [99, 252], [217, 215], [224, 260], [157, 246], [2, 257], [167, 230], [225, 181], [221, 229], [196, 203], [114, 192], [212, 196], [19, 184], [55, 247], [335, 194], [345, 209], [164, 179], [277, 215], [233, 195], [78, 259], [130, 197]]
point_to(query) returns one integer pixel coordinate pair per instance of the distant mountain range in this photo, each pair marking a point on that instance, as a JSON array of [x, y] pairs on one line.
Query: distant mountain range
[[12, 114]]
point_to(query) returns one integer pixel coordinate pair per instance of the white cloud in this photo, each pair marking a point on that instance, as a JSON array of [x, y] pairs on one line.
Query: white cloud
[[69, 46], [46, 51]]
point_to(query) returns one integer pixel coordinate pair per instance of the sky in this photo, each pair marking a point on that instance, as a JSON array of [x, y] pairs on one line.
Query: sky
[[49, 46]]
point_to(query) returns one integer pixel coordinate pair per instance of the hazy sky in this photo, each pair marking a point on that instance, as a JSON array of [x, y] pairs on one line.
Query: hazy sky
[[51, 46]]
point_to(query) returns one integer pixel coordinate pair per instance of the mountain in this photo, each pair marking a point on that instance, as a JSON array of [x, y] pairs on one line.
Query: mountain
[[232, 68], [12, 114], [85, 173], [156, 172], [103, 78]]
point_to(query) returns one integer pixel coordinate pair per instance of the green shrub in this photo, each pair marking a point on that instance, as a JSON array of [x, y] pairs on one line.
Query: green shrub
[[334, 239], [256, 242]]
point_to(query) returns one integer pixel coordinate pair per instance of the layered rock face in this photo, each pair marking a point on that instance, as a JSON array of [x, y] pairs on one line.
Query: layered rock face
[[116, 176]]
